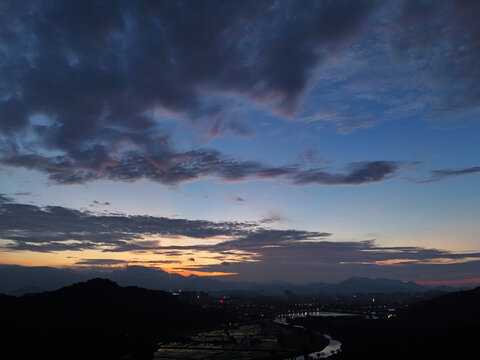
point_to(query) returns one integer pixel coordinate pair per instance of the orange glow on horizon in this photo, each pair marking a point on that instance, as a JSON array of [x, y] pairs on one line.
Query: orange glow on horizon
[[197, 273], [394, 261], [183, 262]]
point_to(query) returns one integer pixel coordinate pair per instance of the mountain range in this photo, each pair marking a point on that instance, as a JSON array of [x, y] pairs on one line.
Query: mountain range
[[19, 280]]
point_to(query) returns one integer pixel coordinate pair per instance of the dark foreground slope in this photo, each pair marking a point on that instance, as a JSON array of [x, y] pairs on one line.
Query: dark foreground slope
[[96, 319], [446, 327]]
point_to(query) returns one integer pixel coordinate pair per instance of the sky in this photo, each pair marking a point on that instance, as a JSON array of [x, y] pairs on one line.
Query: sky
[[245, 140]]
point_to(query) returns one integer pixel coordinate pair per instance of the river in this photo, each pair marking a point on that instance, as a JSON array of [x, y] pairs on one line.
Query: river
[[333, 346]]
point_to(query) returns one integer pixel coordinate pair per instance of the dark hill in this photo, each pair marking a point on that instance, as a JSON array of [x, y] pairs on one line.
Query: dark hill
[[461, 306], [446, 327], [96, 319]]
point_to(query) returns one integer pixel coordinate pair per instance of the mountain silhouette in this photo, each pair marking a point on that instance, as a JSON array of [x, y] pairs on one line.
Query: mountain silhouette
[[460, 306], [441, 328], [19, 280], [97, 319], [356, 285]]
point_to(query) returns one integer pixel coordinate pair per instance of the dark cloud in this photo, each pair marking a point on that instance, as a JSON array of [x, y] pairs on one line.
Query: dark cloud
[[169, 253], [442, 38], [266, 238], [109, 262], [299, 272], [273, 217], [235, 198], [308, 261], [100, 262], [439, 175], [55, 228], [193, 165], [411, 59], [101, 74], [359, 173], [169, 168], [247, 247], [95, 95], [442, 174], [98, 203]]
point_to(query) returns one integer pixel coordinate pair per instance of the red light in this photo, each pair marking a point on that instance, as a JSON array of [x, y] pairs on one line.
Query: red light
[[221, 301]]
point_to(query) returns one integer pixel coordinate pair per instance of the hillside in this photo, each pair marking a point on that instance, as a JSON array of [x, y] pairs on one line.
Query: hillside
[[460, 306], [442, 328], [94, 319]]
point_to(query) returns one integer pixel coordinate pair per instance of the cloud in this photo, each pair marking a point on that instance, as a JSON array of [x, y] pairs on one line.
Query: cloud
[[174, 168], [401, 66], [98, 203], [292, 246], [235, 199], [100, 262], [445, 56], [110, 262], [443, 174], [299, 272], [247, 248], [56, 228], [92, 98], [273, 217], [84, 103], [447, 173], [310, 261], [359, 173], [167, 168]]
